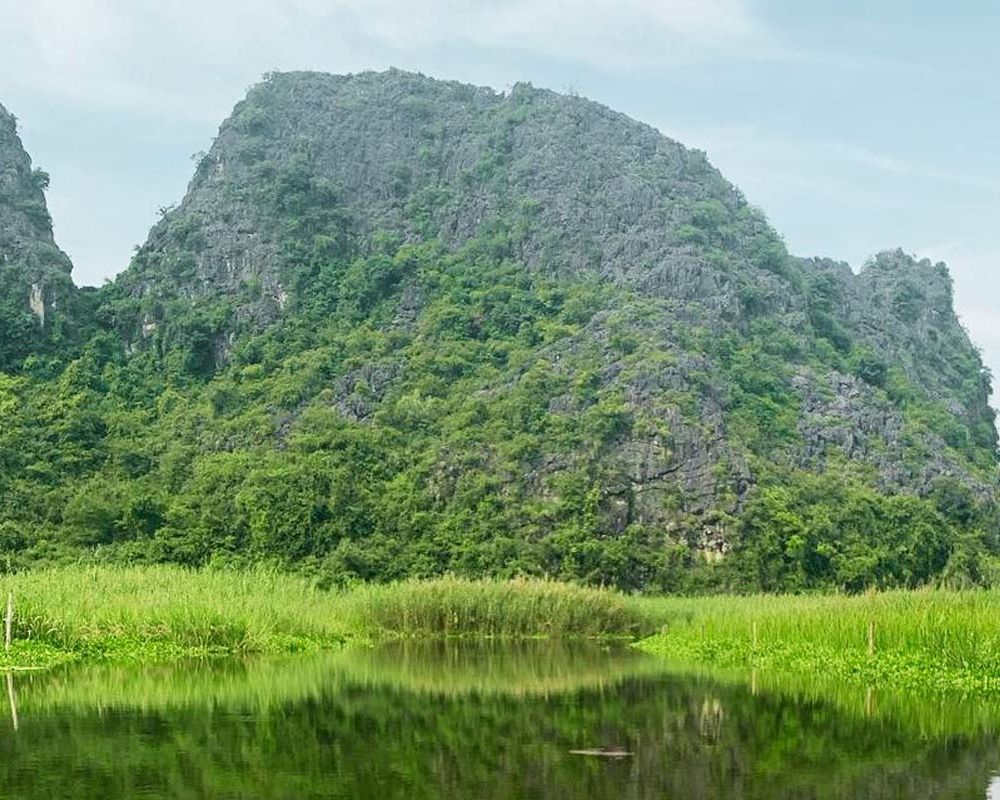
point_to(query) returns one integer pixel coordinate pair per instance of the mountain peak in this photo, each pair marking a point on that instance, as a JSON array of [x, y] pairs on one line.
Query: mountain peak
[[34, 272], [587, 190]]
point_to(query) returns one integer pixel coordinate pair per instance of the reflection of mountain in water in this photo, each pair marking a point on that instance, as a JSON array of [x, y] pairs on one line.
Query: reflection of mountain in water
[[464, 721]]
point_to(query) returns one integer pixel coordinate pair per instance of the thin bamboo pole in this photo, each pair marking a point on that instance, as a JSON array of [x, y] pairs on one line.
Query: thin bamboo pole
[[9, 626]]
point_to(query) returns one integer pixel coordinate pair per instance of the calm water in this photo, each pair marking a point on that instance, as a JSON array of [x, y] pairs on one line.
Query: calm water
[[481, 721]]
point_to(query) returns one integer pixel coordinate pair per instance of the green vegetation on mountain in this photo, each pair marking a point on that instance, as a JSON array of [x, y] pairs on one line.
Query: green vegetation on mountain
[[34, 273], [400, 328]]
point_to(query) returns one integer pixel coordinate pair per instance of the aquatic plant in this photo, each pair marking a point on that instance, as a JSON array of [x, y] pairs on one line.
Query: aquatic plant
[[156, 613], [925, 639]]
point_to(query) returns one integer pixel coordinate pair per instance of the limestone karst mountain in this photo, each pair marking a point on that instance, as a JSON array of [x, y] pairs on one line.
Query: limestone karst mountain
[[404, 326]]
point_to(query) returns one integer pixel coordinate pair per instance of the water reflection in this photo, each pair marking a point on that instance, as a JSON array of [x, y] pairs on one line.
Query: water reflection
[[484, 720]]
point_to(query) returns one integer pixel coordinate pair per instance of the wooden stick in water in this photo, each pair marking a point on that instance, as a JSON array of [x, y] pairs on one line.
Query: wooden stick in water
[[9, 620], [12, 698]]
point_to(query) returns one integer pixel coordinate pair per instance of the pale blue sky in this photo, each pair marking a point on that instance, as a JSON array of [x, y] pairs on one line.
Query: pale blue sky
[[856, 126]]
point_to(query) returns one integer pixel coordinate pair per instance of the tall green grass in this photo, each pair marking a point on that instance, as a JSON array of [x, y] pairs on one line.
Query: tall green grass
[[158, 613], [923, 639], [120, 612], [455, 607], [927, 639]]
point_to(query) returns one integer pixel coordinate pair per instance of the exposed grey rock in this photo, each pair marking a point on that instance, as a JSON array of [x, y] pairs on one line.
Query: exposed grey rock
[[409, 154], [34, 273]]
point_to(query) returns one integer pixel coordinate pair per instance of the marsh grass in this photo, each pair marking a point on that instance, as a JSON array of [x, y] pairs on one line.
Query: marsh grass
[[165, 612], [927, 639], [162, 613], [455, 607]]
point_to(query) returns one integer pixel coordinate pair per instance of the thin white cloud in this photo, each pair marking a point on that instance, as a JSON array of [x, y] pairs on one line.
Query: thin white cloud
[[191, 59], [183, 56], [584, 30], [890, 164], [763, 162], [755, 149]]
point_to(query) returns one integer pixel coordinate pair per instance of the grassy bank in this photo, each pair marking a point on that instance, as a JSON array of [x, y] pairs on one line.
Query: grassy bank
[[159, 613], [923, 640], [920, 640], [163, 613]]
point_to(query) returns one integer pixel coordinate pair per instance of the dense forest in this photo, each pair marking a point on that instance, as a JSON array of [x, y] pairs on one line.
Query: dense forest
[[405, 327]]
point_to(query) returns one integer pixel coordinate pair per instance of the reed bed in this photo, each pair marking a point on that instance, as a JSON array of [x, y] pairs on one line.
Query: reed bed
[[158, 613], [455, 607], [133, 612], [925, 639], [932, 639]]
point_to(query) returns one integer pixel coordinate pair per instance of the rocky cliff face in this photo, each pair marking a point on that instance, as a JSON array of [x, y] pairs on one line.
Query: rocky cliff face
[[35, 287], [595, 193], [761, 359]]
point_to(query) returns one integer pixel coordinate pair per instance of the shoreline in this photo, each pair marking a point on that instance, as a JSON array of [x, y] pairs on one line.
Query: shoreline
[[924, 640]]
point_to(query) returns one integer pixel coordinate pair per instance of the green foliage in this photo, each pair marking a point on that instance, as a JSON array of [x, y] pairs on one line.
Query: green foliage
[[40, 179], [472, 440], [830, 531], [868, 366], [823, 299]]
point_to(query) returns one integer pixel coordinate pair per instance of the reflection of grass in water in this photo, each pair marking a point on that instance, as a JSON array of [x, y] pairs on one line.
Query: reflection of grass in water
[[930, 716], [454, 669], [691, 737], [255, 684], [517, 669]]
